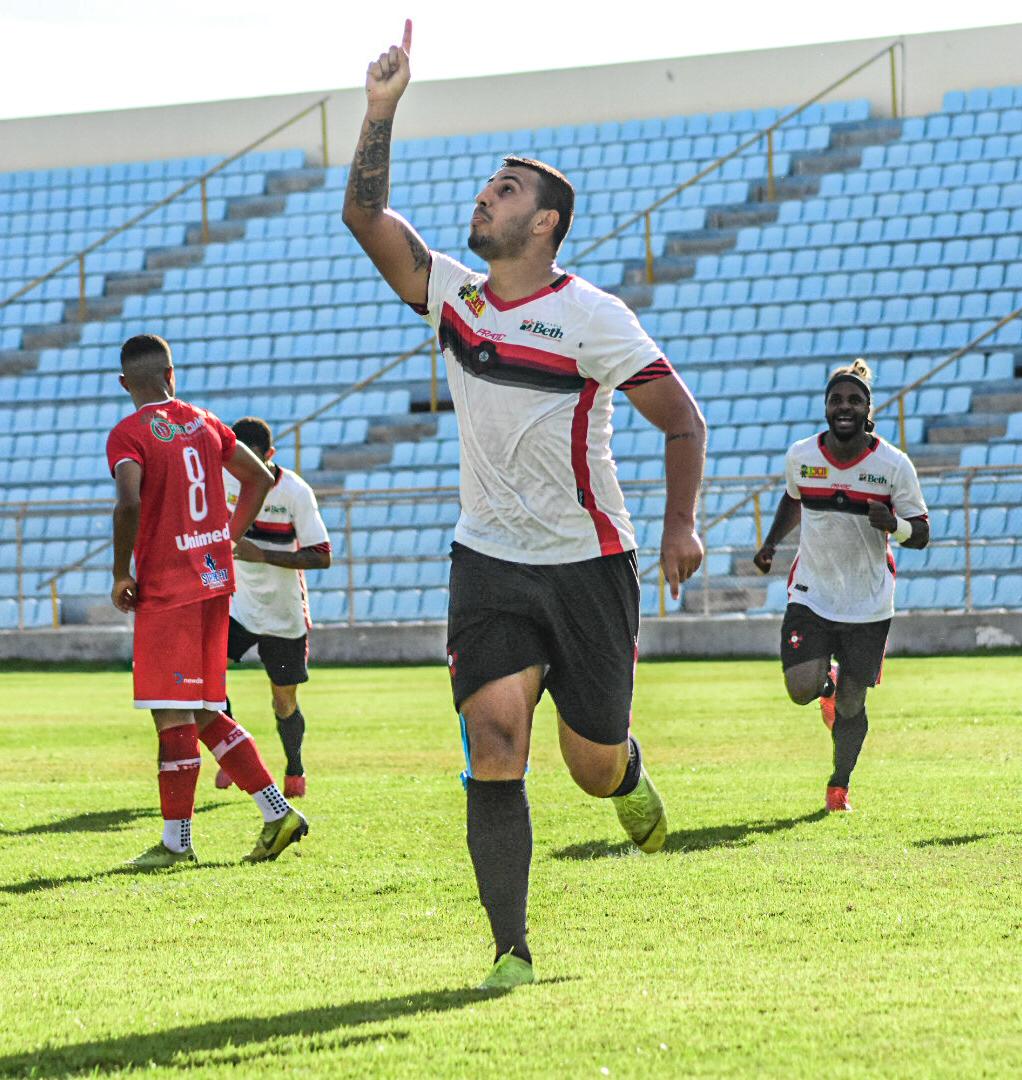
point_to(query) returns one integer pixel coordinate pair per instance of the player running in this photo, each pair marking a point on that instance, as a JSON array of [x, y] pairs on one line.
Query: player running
[[167, 459], [270, 608], [851, 491], [544, 591]]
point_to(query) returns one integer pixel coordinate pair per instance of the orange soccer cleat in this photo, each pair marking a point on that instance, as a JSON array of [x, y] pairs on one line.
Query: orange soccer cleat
[[294, 787], [837, 800], [828, 705]]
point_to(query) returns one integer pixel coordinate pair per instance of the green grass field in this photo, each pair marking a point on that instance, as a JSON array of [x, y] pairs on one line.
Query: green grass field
[[767, 940]]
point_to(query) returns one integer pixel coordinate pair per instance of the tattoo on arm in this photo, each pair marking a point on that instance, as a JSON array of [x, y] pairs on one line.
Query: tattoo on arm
[[369, 179], [420, 253], [681, 435]]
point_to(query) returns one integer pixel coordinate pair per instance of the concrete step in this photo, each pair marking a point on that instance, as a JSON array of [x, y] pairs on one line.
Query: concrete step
[[16, 361], [292, 180], [420, 393], [865, 132], [788, 187], [166, 258], [635, 296], [96, 308], [133, 283], [363, 456], [936, 455], [719, 598], [741, 215], [218, 232], [700, 242], [256, 206], [967, 428], [59, 336], [665, 268], [1001, 401], [407, 429], [827, 161]]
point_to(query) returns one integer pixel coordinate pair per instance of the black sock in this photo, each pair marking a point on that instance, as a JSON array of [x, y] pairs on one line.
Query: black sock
[[849, 734], [500, 843], [633, 770], [227, 709], [291, 730], [829, 689]]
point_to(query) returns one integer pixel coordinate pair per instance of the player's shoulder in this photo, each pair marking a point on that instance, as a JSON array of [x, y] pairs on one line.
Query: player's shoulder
[[810, 445], [294, 485], [886, 451], [577, 290], [449, 272]]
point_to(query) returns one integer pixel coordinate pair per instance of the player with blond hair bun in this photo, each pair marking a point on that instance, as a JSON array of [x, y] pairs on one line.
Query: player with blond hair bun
[[850, 491]]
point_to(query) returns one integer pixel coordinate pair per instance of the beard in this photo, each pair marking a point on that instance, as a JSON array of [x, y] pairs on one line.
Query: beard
[[508, 244], [847, 436]]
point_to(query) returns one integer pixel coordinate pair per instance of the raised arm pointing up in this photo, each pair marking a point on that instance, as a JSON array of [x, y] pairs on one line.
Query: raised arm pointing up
[[396, 249]]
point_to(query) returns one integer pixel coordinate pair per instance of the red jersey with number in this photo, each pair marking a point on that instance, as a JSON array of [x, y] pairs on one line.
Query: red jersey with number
[[183, 548]]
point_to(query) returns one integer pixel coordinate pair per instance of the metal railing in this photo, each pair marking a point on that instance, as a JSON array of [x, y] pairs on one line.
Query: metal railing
[[80, 256], [350, 554], [765, 135]]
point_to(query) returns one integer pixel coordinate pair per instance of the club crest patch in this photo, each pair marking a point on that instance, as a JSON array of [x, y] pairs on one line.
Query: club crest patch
[[795, 638]]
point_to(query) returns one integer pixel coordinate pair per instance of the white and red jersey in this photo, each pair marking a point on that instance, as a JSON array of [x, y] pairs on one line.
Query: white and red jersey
[[844, 569], [183, 545], [273, 600], [532, 382]]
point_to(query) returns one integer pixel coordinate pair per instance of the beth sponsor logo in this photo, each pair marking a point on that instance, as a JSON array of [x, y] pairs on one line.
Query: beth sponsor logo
[[473, 299], [871, 478], [213, 578], [195, 539], [165, 431], [813, 472], [534, 326]]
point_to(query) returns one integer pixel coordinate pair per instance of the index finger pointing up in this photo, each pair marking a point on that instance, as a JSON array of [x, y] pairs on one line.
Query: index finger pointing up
[[406, 40]]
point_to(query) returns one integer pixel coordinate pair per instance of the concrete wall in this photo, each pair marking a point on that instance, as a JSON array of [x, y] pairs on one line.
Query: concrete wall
[[912, 634], [934, 62]]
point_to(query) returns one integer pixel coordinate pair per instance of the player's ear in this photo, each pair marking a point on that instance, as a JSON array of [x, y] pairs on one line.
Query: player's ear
[[269, 453], [546, 222], [123, 381]]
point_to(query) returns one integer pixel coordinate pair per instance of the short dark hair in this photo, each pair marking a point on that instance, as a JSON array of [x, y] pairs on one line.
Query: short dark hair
[[254, 433], [145, 347], [555, 192]]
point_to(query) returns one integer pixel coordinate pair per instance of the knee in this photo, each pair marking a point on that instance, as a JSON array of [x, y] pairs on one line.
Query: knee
[[285, 700], [851, 700], [600, 777], [496, 752], [801, 691]]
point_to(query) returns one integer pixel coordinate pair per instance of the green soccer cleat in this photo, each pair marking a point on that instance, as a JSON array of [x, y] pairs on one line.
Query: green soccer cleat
[[159, 857], [642, 815], [508, 972], [276, 836]]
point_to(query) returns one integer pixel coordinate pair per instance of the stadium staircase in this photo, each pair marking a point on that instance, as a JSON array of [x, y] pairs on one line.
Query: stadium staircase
[[897, 240]]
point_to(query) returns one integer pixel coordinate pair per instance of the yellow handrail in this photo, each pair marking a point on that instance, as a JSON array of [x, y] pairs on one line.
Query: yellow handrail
[[766, 133], [79, 256]]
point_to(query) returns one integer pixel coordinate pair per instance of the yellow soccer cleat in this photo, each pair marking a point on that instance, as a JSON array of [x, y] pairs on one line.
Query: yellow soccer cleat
[[508, 972], [276, 836], [642, 815], [159, 857]]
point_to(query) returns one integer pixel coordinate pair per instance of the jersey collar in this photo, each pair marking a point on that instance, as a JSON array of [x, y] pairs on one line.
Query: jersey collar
[[508, 305], [875, 442]]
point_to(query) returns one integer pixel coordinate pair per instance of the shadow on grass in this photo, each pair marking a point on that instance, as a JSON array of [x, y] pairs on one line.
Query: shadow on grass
[[19, 888], [713, 836], [99, 820], [953, 841], [178, 1047]]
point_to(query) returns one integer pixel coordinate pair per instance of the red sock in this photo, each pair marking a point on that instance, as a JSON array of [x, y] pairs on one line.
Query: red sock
[[237, 753], [179, 771]]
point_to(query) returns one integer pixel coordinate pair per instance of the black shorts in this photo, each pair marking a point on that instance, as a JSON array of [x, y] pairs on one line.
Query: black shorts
[[286, 659], [579, 620], [858, 647]]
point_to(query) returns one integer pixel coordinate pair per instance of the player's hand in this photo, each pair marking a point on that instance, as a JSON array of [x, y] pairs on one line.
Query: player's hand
[[880, 516], [246, 551], [681, 555], [387, 77], [763, 560], [124, 594]]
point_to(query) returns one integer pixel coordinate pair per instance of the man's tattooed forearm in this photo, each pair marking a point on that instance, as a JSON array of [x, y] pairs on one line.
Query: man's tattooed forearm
[[420, 253], [370, 171], [681, 435]]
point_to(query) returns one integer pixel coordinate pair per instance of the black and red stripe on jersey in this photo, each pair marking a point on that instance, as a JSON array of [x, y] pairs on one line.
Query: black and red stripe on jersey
[[272, 532], [507, 363], [659, 369], [840, 500]]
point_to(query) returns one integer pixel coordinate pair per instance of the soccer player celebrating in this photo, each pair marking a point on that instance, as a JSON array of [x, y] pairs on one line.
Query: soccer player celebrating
[[167, 460], [850, 491], [544, 590], [270, 608]]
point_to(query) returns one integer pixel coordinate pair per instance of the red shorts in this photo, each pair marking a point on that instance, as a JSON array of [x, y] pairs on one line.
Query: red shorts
[[180, 656]]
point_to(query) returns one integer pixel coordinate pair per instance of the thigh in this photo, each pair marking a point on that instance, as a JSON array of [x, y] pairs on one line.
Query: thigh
[[286, 659], [497, 725], [239, 639], [168, 658], [592, 619], [491, 632], [860, 651], [806, 637], [216, 615]]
